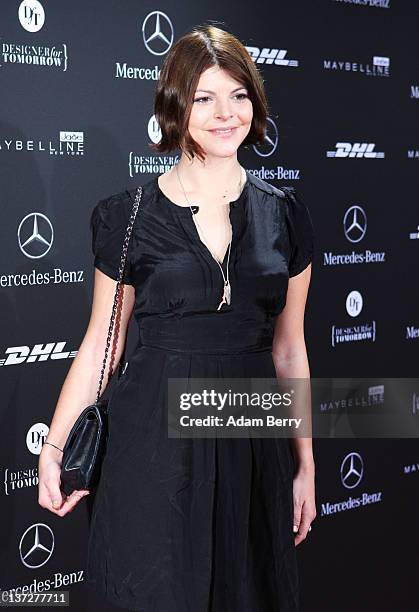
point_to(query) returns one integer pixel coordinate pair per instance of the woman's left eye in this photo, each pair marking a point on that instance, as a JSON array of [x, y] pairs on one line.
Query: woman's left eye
[[241, 96]]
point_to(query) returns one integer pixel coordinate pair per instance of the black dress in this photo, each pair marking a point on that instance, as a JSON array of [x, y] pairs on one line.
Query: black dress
[[196, 525]]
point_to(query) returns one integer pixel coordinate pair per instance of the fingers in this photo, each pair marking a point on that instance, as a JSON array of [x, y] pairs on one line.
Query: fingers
[[304, 515], [302, 530], [50, 495], [297, 515], [71, 501], [56, 496], [53, 499]]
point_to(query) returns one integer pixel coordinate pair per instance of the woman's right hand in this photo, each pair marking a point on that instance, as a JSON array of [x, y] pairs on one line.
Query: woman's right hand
[[50, 495]]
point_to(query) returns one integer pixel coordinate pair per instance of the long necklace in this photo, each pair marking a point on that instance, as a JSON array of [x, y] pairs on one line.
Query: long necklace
[[226, 297]]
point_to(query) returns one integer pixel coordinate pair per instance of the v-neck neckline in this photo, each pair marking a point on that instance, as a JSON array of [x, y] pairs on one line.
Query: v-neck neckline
[[198, 237], [186, 211]]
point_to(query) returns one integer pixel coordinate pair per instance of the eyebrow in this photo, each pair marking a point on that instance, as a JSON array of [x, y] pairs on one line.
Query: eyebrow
[[213, 92]]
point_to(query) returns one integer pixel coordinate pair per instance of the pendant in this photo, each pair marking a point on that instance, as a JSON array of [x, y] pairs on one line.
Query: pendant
[[227, 292], [226, 299]]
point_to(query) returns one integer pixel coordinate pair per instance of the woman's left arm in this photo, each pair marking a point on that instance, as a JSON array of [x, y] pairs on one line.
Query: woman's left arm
[[289, 355]]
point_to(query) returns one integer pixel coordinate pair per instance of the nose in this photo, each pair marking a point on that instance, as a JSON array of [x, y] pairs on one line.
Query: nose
[[223, 110]]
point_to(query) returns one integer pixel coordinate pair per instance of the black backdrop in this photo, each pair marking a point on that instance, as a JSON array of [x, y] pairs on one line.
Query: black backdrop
[[77, 83]]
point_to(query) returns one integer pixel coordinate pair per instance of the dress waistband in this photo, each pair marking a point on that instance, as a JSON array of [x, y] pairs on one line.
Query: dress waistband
[[206, 337], [236, 351]]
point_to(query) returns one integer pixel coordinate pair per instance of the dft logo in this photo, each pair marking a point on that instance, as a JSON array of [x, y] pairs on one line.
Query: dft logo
[[35, 438], [31, 15], [354, 303]]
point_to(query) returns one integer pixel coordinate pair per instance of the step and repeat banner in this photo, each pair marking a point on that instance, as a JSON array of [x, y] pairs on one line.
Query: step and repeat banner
[[342, 78]]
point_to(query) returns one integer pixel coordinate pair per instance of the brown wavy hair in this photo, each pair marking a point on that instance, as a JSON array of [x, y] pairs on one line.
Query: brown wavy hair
[[203, 47]]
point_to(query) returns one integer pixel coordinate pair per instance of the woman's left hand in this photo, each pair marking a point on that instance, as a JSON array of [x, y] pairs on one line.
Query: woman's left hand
[[304, 501]]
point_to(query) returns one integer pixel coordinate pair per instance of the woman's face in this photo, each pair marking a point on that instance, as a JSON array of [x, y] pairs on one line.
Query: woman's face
[[221, 114]]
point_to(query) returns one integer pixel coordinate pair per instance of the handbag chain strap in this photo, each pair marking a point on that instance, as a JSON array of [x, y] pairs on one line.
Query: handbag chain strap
[[118, 288]]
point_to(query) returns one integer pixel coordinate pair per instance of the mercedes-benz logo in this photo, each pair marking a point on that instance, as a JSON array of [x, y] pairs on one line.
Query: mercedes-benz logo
[[355, 223], [352, 470], [36, 545], [157, 33], [35, 235], [271, 140]]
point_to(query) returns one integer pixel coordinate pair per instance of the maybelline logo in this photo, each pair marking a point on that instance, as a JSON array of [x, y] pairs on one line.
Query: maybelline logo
[[68, 143], [380, 66], [267, 55], [351, 474], [356, 149], [411, 469], [373, 397], [412, 333], [414, 235], [414, 92], [20, 479], [413, 154], [16, 355], [373, 3], [158, 35], [355, 229]]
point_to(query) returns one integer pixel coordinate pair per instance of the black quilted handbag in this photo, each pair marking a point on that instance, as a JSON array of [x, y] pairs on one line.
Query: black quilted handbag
[[85, 446]]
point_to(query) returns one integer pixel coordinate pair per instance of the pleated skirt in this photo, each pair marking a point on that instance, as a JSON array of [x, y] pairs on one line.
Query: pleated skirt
[[191, 524]]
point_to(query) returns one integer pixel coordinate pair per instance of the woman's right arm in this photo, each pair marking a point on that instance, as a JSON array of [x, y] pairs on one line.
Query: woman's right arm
[[80, 388]]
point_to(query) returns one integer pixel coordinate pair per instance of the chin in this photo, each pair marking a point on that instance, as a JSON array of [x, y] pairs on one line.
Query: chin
[[221, 151]]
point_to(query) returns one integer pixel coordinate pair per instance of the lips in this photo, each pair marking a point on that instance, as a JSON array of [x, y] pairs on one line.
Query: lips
[[223, 131]]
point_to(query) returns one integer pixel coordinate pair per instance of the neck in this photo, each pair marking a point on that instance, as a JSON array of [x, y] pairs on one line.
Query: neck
[[224, 173]]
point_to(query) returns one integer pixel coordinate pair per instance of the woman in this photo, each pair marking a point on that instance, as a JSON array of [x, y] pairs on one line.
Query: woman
[[217, 276]]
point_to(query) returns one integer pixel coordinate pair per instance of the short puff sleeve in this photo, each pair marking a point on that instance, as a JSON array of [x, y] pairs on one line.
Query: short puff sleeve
[[301, 232], [108, 224]]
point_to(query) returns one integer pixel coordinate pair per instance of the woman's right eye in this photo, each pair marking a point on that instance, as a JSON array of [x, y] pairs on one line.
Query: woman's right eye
[[203, 98]]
